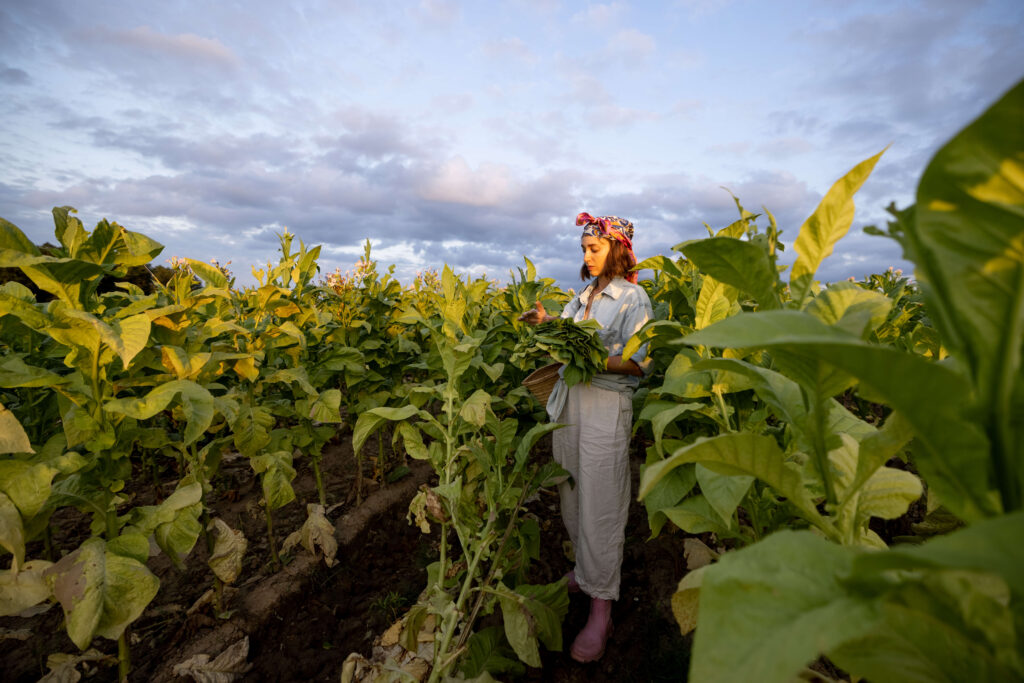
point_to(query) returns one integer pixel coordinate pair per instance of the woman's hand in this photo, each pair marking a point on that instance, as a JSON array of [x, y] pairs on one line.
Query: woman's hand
[[536, 315]]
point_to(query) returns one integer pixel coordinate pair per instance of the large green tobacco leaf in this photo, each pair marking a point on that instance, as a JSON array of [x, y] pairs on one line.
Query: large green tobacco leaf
[[174, 523], [739, 453], [850, 307], [474, 409], [664, 413], [12, 533], [488, 651], [768, 610], [62, 277], [109, 243], [252, 429], [23, 588], [952, 453], [372, 420], [723, 491], [668, 493], [125, 337], [739, 264], [14, 372], [26, 483], [992, 545], [942, 627], [101, 592], [886, 493], [781, 394], [968, 243], [532, 614], [528, 440], [828, 224], [13, 438], [715, 302], [277, 475], [196, 402], [326, 407], [208, 273], [696, 516], [946, 604]]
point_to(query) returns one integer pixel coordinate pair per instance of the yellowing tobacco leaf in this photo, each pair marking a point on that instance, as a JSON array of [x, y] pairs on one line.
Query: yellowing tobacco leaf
[[228, 551], [316, 531], [228, 666]]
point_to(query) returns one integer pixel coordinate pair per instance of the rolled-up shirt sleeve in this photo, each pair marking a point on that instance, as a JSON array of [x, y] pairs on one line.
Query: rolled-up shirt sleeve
[[570, 308], [633, 319]]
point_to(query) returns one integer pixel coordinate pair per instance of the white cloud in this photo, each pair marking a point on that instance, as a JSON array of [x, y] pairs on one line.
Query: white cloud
[[631, 46], [454, 181], [783, 148], [509, 48], [599, 16], [613, 116], [185, 46]]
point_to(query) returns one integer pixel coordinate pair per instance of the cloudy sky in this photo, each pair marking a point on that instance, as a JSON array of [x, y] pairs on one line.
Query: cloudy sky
[[472, 133]]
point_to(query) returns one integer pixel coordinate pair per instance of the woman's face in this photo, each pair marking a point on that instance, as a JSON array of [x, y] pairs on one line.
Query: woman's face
[[595, 253]]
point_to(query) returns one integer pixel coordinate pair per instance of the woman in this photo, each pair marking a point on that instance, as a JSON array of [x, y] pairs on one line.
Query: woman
[[594, 446]]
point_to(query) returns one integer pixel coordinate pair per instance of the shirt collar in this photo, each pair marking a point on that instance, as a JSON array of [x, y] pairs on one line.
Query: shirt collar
[[613, 290]]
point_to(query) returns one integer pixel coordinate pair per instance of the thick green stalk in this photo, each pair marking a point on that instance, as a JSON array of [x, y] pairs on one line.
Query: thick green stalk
[[319, 481], [820, 450], [723, 409], [495, 564], [448, 629], [124, 657], [1003, 446]]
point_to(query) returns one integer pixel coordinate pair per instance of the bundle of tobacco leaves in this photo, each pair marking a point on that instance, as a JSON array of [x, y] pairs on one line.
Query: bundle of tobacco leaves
[[575, 345]]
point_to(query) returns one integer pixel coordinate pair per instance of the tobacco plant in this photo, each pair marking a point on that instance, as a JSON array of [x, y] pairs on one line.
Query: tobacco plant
[[950, 608], [104, 584], [484, 478]]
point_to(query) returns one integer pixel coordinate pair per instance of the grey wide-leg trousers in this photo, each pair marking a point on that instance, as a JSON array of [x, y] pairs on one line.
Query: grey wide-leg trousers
[[594, 448]]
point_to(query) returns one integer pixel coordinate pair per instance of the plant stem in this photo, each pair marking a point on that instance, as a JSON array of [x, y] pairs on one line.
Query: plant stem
[[124, 657], [448, 630], [319, 480], [359, 478], [270, 537], [207, 536], [722, 408], [498, 556], [820, 449], [1003, 446]]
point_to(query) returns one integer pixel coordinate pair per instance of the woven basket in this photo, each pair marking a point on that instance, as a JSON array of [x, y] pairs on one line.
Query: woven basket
[[541, 382]]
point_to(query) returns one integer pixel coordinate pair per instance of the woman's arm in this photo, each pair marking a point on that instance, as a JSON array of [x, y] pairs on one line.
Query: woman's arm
[[624, 367]]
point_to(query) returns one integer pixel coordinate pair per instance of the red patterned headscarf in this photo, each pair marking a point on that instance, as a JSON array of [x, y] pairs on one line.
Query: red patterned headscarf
[[612, 228]]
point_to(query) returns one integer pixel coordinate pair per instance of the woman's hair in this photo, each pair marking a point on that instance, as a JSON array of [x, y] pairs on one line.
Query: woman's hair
[[618, 263]]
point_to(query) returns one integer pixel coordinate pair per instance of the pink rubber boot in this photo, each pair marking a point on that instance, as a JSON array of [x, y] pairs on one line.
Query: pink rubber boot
[[590, 643], [574, 586]]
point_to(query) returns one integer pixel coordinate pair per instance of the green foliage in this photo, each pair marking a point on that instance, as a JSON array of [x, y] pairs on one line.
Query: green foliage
[[576, 345], [948, 609]]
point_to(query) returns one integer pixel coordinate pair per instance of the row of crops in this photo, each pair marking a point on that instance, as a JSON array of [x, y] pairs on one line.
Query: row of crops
[[782, 416]]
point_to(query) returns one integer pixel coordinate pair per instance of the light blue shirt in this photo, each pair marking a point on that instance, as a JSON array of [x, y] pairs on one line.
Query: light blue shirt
[[621, 308]]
